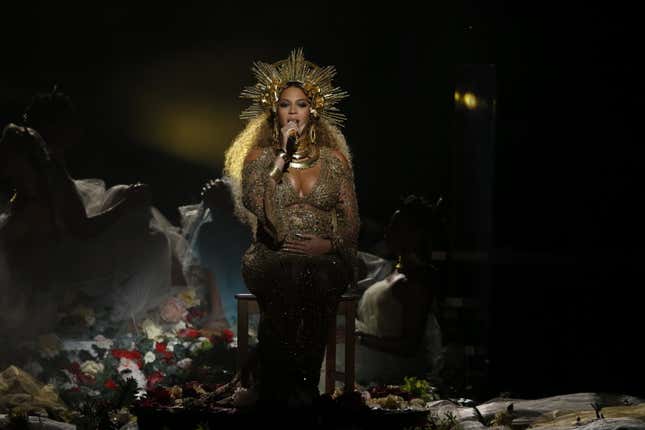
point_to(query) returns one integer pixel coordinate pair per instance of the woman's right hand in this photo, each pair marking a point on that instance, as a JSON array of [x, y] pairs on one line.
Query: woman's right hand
[[281, 160], [286, 131]]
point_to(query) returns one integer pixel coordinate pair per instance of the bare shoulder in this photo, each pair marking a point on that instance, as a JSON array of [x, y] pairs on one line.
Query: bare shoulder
[[13, 134], [12, 131]]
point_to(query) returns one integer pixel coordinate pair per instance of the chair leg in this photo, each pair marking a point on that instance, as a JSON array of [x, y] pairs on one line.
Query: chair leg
[[242, 332], [350, 346], [330, 358]]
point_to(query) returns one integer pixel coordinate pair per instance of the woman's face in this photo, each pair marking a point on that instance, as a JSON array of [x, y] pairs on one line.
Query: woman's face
[[293, 105], [400, 234]]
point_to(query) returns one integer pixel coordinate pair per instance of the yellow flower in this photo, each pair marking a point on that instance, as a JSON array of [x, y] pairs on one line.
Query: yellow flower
[[152, 330], [92, 368], [175, 392], [189, 297]]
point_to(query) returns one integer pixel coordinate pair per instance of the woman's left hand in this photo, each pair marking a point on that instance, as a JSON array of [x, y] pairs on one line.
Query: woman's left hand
[[308, 244], [137, 195], [216, 194]]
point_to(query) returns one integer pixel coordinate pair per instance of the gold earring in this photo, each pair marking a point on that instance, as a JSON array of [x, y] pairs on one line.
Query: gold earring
[[276, 132], [312, 133]]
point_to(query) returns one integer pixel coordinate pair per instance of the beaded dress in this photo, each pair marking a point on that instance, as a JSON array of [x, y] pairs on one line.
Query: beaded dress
[[297, 294]]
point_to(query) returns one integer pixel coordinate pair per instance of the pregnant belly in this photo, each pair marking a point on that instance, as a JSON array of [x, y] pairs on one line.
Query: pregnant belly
[[305, 220]]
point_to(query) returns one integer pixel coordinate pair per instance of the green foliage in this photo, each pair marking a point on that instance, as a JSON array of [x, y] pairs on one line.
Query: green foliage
[[420, 388], [103, 413]]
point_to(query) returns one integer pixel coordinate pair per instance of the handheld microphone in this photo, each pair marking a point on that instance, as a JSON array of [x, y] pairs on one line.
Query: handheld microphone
[[292, 141]]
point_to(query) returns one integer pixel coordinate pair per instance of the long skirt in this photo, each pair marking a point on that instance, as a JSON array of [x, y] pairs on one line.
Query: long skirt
[[298, 296]]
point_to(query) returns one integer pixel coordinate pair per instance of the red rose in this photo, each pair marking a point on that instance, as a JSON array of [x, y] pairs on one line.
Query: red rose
[[228, 335], [195, 314], [131, 355], [75, 369], [160, 396], [189, 333], [110, 384], [162, 349], [154, 378]]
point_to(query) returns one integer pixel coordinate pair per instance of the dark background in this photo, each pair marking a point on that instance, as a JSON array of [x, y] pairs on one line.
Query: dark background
[[564, 244]]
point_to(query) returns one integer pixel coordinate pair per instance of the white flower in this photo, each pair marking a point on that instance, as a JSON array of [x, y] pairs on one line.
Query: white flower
[[230, 346], [92, 368], [179, 326], [130, 369], [149, 357], [366, 395], [184, 363], [152, 330], [170, 346], [103, 342]]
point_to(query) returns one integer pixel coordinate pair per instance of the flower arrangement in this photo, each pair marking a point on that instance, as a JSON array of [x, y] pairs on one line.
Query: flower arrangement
[[88, 357]]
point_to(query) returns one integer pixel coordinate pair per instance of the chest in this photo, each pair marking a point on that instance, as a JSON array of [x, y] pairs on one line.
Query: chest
[[315, 186], [303, 181]]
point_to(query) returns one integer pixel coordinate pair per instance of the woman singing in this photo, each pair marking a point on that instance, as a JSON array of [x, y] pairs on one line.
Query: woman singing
[[292, 180]]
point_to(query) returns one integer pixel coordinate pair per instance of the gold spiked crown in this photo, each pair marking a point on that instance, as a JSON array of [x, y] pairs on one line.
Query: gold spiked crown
[[315, 81]]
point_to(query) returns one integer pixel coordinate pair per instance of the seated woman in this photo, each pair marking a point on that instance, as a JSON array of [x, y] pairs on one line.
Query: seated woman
[[397, 332], [217, 240], [62, 241]]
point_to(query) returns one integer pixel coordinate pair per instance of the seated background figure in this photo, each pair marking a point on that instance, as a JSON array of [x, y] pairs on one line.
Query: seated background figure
[[218, 241], [63, 240], [397, 332]]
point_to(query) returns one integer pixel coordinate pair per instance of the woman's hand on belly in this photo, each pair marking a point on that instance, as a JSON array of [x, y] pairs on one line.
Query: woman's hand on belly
[[307, 244]]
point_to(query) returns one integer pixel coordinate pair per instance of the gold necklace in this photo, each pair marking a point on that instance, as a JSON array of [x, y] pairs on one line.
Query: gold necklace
[[306, 158]]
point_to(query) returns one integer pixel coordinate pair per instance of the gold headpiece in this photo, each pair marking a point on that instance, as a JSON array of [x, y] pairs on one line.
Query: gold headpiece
[[315, 81]]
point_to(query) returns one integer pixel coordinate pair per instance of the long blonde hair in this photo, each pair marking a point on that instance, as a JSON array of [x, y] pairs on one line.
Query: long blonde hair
[[258, 133]]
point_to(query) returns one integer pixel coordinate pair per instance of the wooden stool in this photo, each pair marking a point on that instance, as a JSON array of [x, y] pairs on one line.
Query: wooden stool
[[247, 304]]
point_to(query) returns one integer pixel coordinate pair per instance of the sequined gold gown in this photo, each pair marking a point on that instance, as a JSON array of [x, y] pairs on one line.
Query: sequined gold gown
[[297, 294]]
